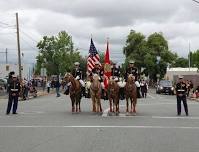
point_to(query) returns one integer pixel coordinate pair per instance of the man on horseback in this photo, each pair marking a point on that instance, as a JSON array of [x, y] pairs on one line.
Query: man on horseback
[[131, 70], [115, 72], [97, 70], [78, 75], [134, 71]]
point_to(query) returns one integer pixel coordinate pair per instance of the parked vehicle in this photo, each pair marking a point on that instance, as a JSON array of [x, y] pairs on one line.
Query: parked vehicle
[[3, 83], [165, 86]]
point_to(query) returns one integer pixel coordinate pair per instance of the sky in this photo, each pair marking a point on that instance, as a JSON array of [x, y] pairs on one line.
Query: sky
[[177, 19]]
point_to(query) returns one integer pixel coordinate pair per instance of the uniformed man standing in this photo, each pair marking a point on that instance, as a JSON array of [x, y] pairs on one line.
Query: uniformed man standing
[[131, 70], [181, 90], [115, 72], [14, 89]]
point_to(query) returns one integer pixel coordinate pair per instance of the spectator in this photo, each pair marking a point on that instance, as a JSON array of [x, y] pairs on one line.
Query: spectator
[[48, 86], [57, 86]]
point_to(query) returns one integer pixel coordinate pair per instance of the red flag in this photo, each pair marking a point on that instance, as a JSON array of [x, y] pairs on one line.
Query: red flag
[[107, 67]]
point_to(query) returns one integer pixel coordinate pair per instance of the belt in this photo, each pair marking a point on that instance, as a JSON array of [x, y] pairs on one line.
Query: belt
[[180, 90], [14, 89]]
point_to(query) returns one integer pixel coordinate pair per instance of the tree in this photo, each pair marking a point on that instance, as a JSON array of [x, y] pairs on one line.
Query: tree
[[145, 51], [135, 48], [194, 59], [181, 62], [56, 54]]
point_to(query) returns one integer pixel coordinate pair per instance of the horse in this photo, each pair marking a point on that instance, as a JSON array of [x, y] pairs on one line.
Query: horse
[[74, 91], [131, 93], [95, 90], [113, 95]]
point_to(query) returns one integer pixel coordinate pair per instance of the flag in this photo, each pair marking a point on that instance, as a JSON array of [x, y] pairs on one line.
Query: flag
[[93, 57], [107, 67]]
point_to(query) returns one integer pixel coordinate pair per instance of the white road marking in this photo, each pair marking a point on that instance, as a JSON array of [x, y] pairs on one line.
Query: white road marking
[[105, 113], [136, 127], [32, 112], [150, 96]]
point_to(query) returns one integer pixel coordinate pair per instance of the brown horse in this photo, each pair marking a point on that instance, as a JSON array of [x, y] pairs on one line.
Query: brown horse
[[75, 92], [113, 95], [95, 90], [131, 93]]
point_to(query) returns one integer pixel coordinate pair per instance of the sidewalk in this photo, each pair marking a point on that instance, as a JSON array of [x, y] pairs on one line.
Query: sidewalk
[[39, 93]]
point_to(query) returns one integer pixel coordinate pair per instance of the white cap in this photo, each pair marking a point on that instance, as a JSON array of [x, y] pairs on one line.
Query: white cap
[[131, 61], [14, 76], [76, 63], [180, 77], [97, 62]]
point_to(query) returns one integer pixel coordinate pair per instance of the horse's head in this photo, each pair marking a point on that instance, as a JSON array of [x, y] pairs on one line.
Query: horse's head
[[67, 77], [131, 78], [96, 77], [111, 81], [95, 86]]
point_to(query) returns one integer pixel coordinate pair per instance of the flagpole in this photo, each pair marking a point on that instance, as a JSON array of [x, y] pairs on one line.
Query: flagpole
[[189, 56]]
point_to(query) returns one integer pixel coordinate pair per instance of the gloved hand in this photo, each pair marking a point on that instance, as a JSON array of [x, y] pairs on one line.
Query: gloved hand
[[77, 78]]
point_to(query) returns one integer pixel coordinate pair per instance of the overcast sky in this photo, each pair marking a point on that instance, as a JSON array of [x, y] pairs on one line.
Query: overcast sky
[[178, 20]]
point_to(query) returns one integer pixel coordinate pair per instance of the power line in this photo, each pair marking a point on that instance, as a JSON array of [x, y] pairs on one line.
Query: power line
[[195, 1], [30, 37]]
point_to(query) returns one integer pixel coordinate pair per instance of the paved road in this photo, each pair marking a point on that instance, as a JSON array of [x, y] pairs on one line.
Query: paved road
[[45, 124]]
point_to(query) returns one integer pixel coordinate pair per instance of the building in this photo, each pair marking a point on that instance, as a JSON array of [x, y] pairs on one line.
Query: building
[[191, 74], [27, 70]]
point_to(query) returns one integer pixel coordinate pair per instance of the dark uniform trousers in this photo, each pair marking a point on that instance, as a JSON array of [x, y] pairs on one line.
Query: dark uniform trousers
[[14, 89], [13, 100], [184, 100], [181, 90]]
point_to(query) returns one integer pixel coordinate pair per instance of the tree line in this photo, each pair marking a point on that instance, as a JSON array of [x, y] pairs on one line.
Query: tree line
[[151, 54]]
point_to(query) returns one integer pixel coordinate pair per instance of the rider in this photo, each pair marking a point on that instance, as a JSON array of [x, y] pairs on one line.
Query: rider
[[131, 70], [78, 75], [134, 71], [115, 72], [97, 70]]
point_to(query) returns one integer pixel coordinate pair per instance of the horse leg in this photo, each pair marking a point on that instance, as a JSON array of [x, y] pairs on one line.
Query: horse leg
[[79, 102], [118, 106], [73, 103], [127, 105], [93, 102], [131, 105], [76, 103], [98, 104], [110, 103], [134, 104]]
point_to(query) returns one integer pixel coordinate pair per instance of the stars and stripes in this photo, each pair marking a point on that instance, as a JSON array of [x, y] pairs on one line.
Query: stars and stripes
[[93, 57]]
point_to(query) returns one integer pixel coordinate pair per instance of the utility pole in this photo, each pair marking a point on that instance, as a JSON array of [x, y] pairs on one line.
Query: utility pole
[[189, 56], [18, 46]]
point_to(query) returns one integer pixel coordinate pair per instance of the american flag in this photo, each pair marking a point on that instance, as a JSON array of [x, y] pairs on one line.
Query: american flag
[[93, 57]]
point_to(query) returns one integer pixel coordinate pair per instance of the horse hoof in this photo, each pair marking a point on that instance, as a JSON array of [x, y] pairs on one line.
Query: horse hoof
[[127, 113]]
